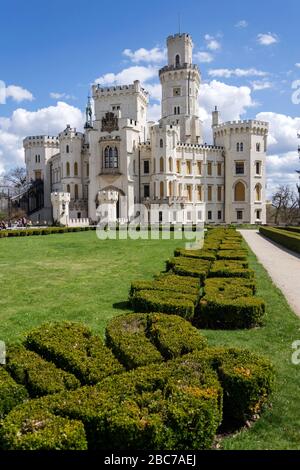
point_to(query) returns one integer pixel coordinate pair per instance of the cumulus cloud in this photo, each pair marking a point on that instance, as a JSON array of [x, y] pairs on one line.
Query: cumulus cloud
[[155, 55], [128, 75], [154, 112], [297, 65], [154, 90], [283, 131], [212, 43], [60, 96], [18, 94], [267, 39], [228, 73], [49, 120], [241, 24], [204, 57]]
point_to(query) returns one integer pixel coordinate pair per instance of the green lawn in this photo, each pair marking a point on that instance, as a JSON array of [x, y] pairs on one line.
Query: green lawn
[[77, 277]]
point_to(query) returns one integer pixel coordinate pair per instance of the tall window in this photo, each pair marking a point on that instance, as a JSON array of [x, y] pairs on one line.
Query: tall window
[[219, 169], [68, 169], [170, 164], [199, 165], [161, 164], [170, 188], [258, 147], [239, 168], [111, 157], [209, 168], [258, 168], [146, 167], [161, 143], [178, 166], [219, 193], [189, 192], [146, 190], [76, 191], [67, 149], [161, 189], [199, 191], [177, 60], [68, 188], [240, 147], [75, 169], [258, 193], [239, 192], [178, 109], [188, 168], [209, 193]]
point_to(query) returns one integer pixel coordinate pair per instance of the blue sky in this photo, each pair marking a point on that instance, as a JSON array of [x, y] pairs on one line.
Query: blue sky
[[53, 50]]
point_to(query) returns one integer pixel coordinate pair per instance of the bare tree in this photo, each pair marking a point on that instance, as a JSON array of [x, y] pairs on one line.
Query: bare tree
[[15, 178], [285, 204]]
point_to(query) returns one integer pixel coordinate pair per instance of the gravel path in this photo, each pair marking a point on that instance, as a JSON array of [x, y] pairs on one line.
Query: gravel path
[[282, 265]]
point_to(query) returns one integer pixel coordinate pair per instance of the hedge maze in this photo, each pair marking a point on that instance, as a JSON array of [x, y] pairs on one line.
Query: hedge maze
[[155, 382]]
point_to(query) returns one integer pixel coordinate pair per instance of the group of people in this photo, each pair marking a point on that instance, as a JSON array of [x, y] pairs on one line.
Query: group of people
[[22, 222]]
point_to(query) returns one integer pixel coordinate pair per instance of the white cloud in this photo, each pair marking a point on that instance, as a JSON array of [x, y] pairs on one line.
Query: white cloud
[[228, 73], [154, 90], [267, 39], [283, 132], [59, 96], [154, 112], [212, 43], [18, 93], [155, 55], [261, 85], [281, 171], [241, 24], [297, 65], [204, 57], [49, 120], [128, 75]]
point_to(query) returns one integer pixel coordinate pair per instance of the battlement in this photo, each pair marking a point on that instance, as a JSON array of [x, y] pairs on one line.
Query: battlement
[[40, 141], [117, 90], [174, 37], [250, 123], [199, 146], [174, 68], [70, 133]]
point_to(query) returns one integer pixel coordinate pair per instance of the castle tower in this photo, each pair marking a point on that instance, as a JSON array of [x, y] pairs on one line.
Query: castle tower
[[180, 81]]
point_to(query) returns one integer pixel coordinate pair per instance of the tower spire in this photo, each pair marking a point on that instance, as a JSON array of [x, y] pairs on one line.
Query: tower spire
[[88, 114]]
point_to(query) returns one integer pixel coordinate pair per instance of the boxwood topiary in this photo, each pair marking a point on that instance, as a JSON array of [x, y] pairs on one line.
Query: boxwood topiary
[[189, 267], [165, 302], [11, 393]]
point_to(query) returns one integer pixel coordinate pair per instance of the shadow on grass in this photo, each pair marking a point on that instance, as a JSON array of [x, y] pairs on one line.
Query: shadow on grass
[[125, 305]]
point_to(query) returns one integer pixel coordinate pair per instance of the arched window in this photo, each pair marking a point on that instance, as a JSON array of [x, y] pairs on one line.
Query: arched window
[[239, 192], [76, 191], [68, 188], [111, 157], [175, 110], [161, 165], [170, 164], [170, 188], [75, 169], [238, 147], [258, 147], [68, 169], [67, 149], [161, 143], [241, 147], [161, 189], [258, 192], [178, 110], [177, 60]]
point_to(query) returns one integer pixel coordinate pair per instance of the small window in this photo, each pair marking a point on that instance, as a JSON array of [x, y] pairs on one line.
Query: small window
[[68, 188], [258, 168], [160, 216], [75, 169], [258, 147], [175, 110], [209, 168], [241, 147], [178, 109], [209, 215], [219, 215], [177, 60], [239, 168], [146, 167], [258, 214], [219, 166], [161, 143], [239, 215], [238, 147], [67, 149], [176, 91], [146, 190]]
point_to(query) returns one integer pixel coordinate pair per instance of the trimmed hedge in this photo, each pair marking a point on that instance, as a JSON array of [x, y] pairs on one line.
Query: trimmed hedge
[[168, 282], [231, 268], [198, 254], [247, 380], [291, 229], [173, 336], [33, 428], [284, 238], [189, 267], [11, 393], [37, 375], [165, 302], [73, 348], [42, 231], [230, 304], [239, 255], [126, 336]]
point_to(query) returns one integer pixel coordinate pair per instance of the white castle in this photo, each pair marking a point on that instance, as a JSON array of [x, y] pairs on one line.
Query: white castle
[[121, 156]]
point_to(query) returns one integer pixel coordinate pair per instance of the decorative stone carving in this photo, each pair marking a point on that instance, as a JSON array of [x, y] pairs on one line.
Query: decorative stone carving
[[109, 123]]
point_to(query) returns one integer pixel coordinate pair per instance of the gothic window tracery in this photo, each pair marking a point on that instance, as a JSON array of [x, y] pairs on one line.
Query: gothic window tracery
[[111, 157]]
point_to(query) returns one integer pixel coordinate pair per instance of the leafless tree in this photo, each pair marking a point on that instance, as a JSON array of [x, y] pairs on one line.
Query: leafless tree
[[285, 203], [15, 178]]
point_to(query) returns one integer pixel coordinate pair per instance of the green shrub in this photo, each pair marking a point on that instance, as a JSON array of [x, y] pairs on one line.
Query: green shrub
[[198, 254], [40, 377], [189, 267], [173, 336], [72, 347], [126, 336], [231, 268], [232, 255], [230, 246], [164, 302], [247, 380], [229, 303], [168, 282], [11, 393], [287, 239], [291, 229], [33, 428]]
